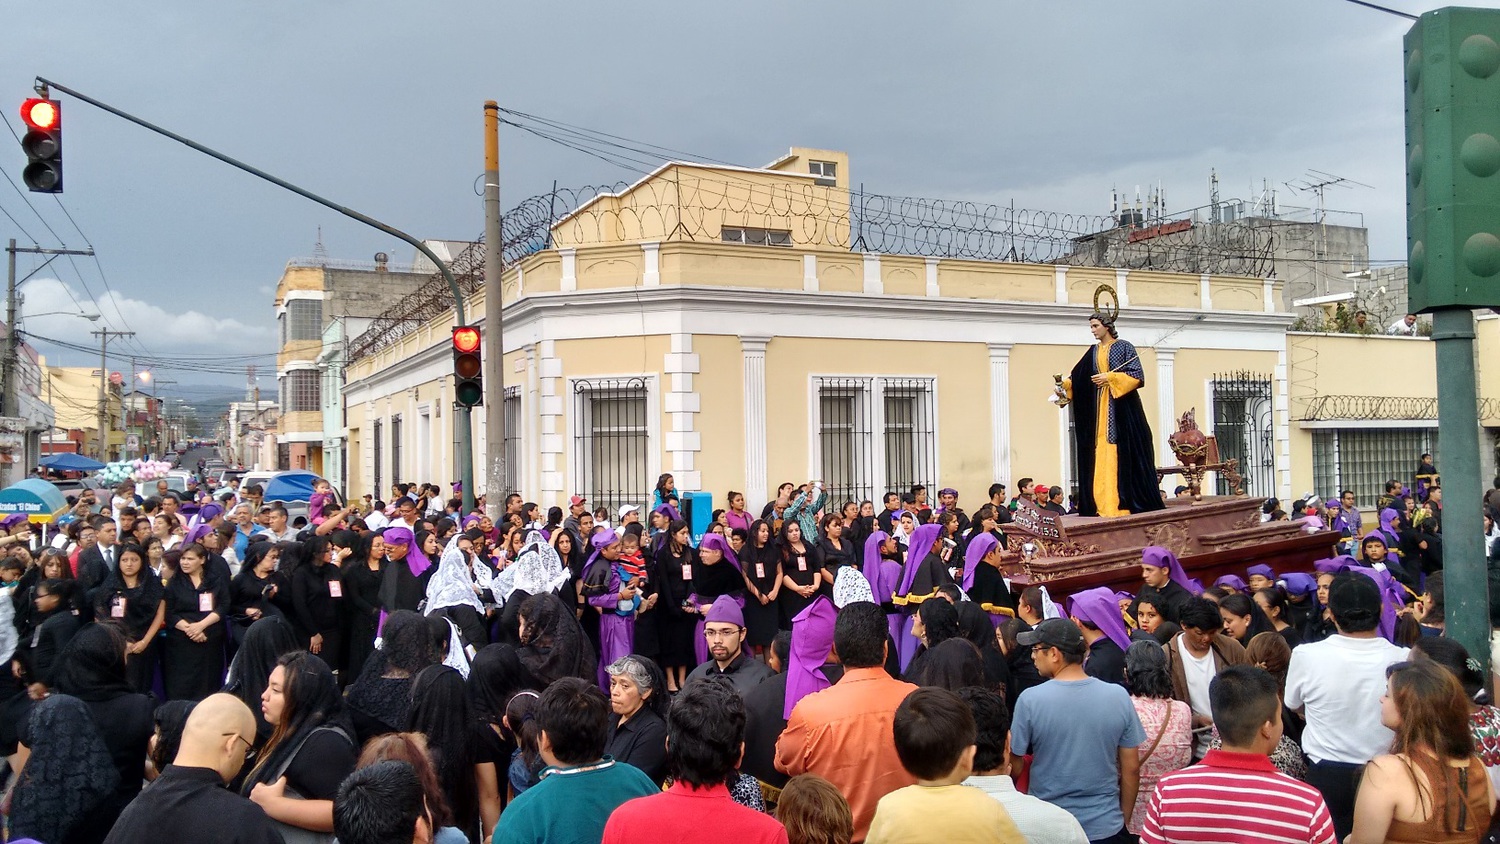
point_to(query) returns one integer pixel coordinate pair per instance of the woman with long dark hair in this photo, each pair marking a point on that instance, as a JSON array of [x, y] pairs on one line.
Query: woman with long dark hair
[[318, 599], [552, 642], [1168, 723], [256, 591], [68, 780], [380, 698], [674, 555], [55, 623], [494, 678], [837, 549], [265, 642], [197, 604], [133, 598], [801, 571], [440, 711], [1277, 606], [952, 665], [361, 578], [976, 626], [1431, 787], [761, 565], [934, 623], [311, 749], [1243, 618]]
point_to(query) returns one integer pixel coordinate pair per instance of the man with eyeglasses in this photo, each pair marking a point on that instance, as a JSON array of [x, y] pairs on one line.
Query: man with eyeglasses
[[1083, 735], [724, 628], [188, 803]]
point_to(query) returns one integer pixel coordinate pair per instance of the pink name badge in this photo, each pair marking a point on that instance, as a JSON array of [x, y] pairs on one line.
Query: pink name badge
[[687, 571], [335, 589], [760, 569], [801, 563], [118, 610], [205, 602]]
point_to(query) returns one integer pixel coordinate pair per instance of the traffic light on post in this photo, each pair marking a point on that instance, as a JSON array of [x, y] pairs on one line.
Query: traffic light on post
[[468, 381], [1453, 159], [43, 145]]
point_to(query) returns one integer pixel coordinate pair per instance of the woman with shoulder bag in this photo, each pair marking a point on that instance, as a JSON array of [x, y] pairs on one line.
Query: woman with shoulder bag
[[311, 749]]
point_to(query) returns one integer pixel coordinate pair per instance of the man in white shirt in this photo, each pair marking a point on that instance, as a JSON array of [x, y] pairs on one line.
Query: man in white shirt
[[1404, 327], [1337, 684], [376, 518], [279, 530], [1040, 821]]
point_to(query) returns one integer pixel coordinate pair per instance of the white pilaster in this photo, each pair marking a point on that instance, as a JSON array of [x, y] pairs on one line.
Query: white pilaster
[[1166, 402], [810, 273], [569, 258], [1000, 410], [683, 440], [651, 274], [550, 441], [932, 277], [753, 348], [530, 427], [1060, 276], [1205, 295], [1269, 288], [1122, 287], [1282, 422], [873, 283]]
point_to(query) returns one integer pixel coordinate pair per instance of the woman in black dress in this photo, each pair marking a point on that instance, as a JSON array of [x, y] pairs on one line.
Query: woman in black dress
[[801, 572], [255, 592], [317, 601], [132, 597], [55, 622], [762, 569], [379, 698], [361, 578], [838, 550], [197, 604], [983, 582], [674, 557], [923, 573]]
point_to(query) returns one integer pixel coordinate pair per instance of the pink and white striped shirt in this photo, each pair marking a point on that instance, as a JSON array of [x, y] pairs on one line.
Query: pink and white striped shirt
[[1235, 798]]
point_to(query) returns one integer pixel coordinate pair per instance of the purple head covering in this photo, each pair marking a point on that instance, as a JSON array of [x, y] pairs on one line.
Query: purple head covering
[[1100, 607], [715, 542], [1298, 583], [669, 511], [1155, 555], [725, 610], [196, 534], [1261, 569], [871, 566], [812, 641], [470, 520], [1391, 599], [12, 520], [982, 544], [208, 511], [1234, 582], [922, 540], [599, 541], [1334, 565], [416, 561]]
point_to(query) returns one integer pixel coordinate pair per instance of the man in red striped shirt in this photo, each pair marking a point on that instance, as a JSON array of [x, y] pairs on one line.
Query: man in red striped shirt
[[1235, 795]]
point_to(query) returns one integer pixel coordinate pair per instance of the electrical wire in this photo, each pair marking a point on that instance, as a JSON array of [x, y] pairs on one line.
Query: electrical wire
[[18, 225], [1388, 11]]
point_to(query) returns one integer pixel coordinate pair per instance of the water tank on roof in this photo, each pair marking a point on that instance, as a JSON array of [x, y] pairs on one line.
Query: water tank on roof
[[1131, 218]]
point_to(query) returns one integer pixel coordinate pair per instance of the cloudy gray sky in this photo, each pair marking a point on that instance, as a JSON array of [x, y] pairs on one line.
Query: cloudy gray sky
[[377, 104]]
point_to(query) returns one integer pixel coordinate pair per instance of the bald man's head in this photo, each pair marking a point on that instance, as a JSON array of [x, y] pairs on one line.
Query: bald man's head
[[218, 734]]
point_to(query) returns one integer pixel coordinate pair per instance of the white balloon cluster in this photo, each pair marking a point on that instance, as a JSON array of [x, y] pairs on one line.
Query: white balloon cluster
[[114, 473]]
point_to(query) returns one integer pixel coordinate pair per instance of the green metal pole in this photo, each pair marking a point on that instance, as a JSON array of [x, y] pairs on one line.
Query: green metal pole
[[1465, 574], [466, 446]]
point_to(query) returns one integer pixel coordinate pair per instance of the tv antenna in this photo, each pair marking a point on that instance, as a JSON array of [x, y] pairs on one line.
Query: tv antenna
[[1318, 182]]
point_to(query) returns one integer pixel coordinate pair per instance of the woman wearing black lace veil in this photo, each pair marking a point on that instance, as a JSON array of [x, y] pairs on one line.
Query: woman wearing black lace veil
[[67, 778], [265, 642], [552, 642], [379, 699]]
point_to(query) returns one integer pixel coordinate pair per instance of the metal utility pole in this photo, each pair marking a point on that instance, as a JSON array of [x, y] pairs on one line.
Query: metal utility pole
[[156, 412], [104, 334], [10, 402], [463, 431], [494, 336]]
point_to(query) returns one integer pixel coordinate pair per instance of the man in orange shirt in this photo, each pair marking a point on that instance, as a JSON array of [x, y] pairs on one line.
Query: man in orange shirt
[[844, 733]]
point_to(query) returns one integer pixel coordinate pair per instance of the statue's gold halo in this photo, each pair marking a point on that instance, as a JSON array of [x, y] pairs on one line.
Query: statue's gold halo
[[1112, 312]]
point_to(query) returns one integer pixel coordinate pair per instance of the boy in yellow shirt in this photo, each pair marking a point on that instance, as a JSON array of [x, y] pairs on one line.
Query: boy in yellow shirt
[[935, 736]]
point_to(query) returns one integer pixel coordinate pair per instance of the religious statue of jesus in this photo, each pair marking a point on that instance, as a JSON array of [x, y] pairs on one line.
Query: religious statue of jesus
[[1116, 454]]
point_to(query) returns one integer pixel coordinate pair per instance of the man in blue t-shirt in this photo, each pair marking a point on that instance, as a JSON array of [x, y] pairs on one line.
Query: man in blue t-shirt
[[581, 786], [1083, 735]]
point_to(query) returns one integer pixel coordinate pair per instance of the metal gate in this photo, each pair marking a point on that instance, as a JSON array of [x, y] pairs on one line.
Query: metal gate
[[844, 438], [610, 441], [1243, 425]]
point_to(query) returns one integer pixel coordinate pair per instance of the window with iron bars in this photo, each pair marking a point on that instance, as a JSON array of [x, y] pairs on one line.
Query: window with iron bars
[[1243, 426], [611, 440], [1363, 459], [755, 236], [852, 412], [302, 390], [510, 474], [396, 449], [378, 430], [304, 320]]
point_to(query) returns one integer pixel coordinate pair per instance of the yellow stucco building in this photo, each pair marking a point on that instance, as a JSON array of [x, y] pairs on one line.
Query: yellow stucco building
[[743, 327]]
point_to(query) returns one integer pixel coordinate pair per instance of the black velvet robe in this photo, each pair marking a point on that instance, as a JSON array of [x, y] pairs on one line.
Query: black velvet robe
[[1128, 430]]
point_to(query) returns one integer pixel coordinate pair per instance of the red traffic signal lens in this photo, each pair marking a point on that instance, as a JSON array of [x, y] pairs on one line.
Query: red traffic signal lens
[[41, 114], [466, 338]]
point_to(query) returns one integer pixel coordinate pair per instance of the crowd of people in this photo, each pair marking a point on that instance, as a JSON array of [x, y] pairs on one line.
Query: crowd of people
[[202, 667]]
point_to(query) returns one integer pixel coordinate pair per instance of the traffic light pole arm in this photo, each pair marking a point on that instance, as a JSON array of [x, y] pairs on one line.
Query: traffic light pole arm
[[458, 298]]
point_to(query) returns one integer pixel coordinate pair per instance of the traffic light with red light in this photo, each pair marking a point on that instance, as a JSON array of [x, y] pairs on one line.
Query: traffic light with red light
[[43, 145], [468, 380]]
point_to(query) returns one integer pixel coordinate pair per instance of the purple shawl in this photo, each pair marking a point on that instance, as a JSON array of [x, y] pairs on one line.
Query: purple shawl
[[1261, 569], [1334, 565], [981, 545], [1391, 599], [1099, 607], [870, 567], [812, 641], [1155, 555], [669, 511], [601, 540], [922, 540], [1233, 581], [715, 542], [416, 561], [1298, 583], [1388, 528]]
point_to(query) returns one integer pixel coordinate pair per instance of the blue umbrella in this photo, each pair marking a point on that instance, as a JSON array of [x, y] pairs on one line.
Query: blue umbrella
[[68, 462], [295, 485], [37, 500]]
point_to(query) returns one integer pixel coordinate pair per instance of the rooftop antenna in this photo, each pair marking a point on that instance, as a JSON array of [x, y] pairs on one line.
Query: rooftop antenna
[[1318, 182], [319, 253], [1213, 195]]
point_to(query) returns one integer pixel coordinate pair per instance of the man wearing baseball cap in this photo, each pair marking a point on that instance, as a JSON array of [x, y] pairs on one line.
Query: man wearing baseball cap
[[577, 506], [1083, 734]]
